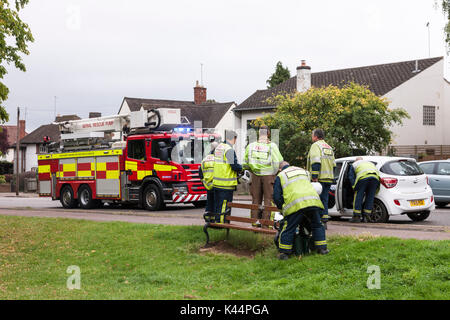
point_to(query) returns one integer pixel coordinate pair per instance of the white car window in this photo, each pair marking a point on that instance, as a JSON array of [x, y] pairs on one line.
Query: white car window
[[402, 168], [443, 168]]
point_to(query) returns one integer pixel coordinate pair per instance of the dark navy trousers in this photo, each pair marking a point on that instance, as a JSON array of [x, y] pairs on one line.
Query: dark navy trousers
[[292, 221], [221, 198], [210, 201], [324, 198], [365, 189]]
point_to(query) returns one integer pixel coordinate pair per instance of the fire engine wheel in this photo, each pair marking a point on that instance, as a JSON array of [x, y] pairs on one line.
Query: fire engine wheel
[[152, 198], [85, 198], [66, 198]]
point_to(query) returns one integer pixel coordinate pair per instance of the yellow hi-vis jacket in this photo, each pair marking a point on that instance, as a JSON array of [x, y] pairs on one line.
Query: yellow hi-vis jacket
[[207, 166], [298, 192], [263, 159], [365, 169], [224, 176], [321, 152]]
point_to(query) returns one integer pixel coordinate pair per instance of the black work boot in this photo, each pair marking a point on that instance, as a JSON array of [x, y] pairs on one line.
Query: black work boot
[[356, 218], [323, 251], [364, 218], [283, 256]]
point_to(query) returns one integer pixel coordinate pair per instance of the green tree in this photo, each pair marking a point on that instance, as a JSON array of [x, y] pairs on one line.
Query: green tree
[[3, 140], [355, 121], [14, 38], [280, 75], [446, 10]]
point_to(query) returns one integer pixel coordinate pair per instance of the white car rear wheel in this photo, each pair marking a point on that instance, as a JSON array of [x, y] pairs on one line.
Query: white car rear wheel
[[379, 213]]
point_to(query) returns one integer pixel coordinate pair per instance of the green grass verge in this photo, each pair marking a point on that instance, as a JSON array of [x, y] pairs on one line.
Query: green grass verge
[[140, 261]]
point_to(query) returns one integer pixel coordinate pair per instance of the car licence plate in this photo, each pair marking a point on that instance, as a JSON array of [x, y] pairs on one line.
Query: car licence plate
[[416, 203]]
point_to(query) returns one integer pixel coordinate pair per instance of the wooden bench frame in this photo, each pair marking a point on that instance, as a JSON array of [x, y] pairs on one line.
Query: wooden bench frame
[[229, 218]]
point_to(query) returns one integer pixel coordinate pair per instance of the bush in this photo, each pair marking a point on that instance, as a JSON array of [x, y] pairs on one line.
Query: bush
[[6, 167], [8, 177], [2, 179]]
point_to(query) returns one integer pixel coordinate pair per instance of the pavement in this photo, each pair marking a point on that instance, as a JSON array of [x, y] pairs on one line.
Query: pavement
[[30, 205]]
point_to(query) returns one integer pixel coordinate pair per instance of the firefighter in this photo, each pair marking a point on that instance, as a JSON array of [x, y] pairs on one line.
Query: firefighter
[[365, 180], [321, 163], [226, 169], [294, 194], [262, 158], [206, 173]]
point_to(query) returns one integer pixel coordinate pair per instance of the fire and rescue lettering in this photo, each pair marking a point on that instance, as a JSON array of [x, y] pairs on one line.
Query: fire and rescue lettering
[[97, 124]]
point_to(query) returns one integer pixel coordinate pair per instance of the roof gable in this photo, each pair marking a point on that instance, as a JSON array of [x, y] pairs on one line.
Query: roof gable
[[381, 79]]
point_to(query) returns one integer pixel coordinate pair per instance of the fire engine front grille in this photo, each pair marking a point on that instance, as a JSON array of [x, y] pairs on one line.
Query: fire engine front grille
[[198, 187], [193, 174]]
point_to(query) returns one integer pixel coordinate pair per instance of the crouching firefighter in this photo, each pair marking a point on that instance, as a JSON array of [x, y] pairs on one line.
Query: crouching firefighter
[[206, 174], [294, 194]]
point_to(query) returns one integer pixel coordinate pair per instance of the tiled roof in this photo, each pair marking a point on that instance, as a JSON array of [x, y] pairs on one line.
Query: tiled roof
[[37, 136], [209, 113], [381, 79]]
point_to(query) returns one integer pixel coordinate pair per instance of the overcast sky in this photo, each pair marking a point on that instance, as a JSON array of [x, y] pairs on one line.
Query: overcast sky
[[92, 53]]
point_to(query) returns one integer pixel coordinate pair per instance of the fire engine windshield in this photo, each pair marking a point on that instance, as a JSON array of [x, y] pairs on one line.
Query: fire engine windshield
[[185, 151]]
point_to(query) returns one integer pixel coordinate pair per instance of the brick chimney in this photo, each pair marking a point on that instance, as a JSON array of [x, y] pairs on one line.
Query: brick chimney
[[22, 132], [199, 94], [303, 77]]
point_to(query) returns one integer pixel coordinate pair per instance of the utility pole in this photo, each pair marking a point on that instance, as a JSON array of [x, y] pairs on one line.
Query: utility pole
[[429, 43], [17, 151]]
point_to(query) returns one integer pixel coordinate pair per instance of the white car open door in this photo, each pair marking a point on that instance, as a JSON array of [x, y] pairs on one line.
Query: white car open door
[[340, 188]]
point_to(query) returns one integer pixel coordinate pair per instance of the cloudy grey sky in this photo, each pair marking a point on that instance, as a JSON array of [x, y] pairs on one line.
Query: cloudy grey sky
[[92, 53]]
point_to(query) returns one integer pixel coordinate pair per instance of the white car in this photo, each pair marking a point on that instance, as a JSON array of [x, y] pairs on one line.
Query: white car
[[404, 189]]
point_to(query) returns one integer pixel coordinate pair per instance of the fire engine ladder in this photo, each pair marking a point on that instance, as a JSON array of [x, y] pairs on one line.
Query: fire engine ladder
[[105, 132]]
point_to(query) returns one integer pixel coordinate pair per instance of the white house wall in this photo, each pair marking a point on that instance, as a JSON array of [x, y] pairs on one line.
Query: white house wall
[[124, 108], [447, 112], [227, 122], [9, 155], [425, 89], [31, 160]]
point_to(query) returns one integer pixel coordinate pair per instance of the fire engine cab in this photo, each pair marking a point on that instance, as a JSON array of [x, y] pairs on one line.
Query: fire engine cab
[[145, 158]]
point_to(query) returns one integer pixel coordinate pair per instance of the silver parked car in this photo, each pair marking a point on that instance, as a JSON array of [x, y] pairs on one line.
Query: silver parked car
[[438, 173]]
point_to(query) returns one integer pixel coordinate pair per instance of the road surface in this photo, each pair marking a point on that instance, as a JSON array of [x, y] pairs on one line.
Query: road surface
[[439, 217], [436, 227]]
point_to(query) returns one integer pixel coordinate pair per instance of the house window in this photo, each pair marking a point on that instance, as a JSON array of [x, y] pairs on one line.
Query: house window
[[42, 149], [250, 125], [429, 115]]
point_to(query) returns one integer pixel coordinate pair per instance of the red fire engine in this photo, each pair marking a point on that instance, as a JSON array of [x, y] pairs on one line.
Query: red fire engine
[[143, 158]]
